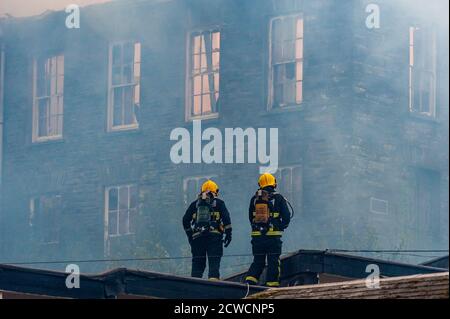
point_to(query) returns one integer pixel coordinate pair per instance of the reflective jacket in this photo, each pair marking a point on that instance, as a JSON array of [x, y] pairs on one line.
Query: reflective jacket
[[220, 218], [279, 217]]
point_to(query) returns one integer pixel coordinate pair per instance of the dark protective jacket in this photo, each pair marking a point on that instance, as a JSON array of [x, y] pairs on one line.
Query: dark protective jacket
[[220, 218], [279, 217]]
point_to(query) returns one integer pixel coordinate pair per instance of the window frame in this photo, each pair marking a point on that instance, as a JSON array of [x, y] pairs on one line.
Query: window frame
[[110, 107], [372, 201], [271, 91], [421, 70], [189, 116], [278, 176], [197, 179], [35, 107], [129, 208]]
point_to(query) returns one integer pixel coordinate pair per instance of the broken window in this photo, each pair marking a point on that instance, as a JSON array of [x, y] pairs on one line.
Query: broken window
[[121, 210], [422, 71], [48, 98], [192, 187], [289, 184], [44, 218], [286, 69], [124, 91], [204, 73]]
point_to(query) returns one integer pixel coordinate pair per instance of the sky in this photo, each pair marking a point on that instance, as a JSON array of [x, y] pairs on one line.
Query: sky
[[21, 8]]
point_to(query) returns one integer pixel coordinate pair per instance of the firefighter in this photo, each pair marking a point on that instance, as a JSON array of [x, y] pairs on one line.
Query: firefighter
[[205, 222], [269, 216]]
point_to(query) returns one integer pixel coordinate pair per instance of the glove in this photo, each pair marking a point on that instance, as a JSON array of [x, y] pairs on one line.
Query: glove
[[227, 240]]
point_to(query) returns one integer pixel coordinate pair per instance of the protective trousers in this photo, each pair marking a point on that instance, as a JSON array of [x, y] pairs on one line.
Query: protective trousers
[[211, 246], [265, 247]]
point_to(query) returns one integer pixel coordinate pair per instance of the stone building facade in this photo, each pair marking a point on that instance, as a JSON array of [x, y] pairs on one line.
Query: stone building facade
[[361, 112]]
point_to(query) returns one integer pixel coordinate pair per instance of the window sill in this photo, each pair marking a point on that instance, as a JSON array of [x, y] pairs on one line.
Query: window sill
[[50, 243], [47, 140], [121, 235], [423, 117], [211, 116], [286, 109], [124, 128]]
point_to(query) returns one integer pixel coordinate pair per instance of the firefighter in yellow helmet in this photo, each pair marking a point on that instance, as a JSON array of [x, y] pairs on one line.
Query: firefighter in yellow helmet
[[269, 216], [205, 222]]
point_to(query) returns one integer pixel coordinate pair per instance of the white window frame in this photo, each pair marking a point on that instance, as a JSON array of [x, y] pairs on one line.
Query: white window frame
[[374, 211], [278, 176], [271, 93], [189, 86], [136, 84], [197, 179], [107, 209], [412, 61], [35, 117]]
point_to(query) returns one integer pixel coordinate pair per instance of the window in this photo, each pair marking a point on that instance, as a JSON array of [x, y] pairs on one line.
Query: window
[[422, 71], [289, 181], [44, 218], [192, 187], [48, 91], [204, 73], [286, 62], [121, 210], [124, 85]]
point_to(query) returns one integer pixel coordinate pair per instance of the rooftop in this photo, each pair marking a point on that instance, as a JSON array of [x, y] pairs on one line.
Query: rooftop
[[117, 283], [315, 266], [430, 286], [315, 274]]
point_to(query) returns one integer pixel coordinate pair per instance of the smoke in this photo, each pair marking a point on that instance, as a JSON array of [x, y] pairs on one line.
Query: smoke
[[348, 129], [23, 8]]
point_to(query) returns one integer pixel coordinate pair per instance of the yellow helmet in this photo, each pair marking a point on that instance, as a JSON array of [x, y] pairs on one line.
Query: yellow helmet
[[209, 185], [267, 179]]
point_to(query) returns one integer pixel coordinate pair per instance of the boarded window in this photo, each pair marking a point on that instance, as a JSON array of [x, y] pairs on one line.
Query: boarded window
[[48, 98], [204, 73], [289, 181], [45, 218], [121, 210], [427, 202], [124, 91], [422, 71], [286, 61]]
